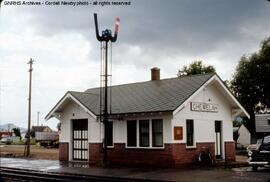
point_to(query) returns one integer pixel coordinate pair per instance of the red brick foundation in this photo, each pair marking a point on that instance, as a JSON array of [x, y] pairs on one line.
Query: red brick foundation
[[229, 151], [135, 157], [95, 152], [183, 156], [173, 155], [63, 151], [141, 157]]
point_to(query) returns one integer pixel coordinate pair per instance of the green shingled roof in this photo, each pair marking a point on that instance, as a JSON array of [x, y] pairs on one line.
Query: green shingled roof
[[150, 96]]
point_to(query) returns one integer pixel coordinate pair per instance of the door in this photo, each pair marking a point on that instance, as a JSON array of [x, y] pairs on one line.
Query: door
[[218, 132], [80, 139]]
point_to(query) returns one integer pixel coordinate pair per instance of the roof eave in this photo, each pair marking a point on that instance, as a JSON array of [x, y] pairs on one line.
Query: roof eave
[[68, 95]]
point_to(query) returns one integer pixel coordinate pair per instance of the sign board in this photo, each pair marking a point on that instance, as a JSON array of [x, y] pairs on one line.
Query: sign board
[[178, 133], [203, 107]]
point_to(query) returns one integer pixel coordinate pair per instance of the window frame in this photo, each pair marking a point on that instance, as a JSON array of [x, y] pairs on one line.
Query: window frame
[[111, 146], [142, 134], [132, 122], [150, 135], [157, 132], [192, 145]]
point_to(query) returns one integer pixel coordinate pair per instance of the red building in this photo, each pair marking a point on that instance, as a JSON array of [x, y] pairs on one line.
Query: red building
[[5, 134]]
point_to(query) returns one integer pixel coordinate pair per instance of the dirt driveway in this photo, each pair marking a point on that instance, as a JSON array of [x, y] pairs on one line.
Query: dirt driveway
[[36, 152]]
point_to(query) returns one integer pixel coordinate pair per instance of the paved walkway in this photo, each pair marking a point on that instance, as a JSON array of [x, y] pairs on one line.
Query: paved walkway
[[192, 174]]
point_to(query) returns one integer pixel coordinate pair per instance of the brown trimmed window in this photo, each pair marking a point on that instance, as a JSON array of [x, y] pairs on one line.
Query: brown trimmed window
[[144, 133], [132, 133], [157, 133], [190, 132]]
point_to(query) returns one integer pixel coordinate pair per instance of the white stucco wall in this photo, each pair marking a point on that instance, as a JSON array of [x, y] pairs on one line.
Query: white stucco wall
[[204, 122], [74, 111], [244, 136]]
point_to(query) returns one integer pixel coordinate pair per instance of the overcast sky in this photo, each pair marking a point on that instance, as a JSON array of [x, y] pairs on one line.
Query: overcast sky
[[157, 33]]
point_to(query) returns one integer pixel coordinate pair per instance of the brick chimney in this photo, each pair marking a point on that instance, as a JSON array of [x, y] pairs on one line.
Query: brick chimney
[[155, 73]]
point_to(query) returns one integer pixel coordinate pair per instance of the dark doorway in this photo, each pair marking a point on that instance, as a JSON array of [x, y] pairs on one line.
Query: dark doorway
[[80, 139], [218, 131]]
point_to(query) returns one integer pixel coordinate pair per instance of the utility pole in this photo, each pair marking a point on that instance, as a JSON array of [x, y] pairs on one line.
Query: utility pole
[[38, 118], [29, 106]]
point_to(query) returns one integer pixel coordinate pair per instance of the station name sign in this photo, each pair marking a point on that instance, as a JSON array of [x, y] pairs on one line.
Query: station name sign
[[203, 107]]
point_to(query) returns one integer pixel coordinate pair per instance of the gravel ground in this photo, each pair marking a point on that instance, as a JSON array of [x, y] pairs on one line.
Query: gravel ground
[[36, 152]]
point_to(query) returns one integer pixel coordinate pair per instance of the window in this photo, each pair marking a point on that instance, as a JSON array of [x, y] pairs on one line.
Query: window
[[190, 132], [157, 132], [132, 133], [144, 133], [109, 133]]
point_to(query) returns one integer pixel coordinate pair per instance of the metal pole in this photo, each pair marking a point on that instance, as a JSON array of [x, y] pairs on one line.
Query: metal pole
[[29, 106], [106, 36], [105, 156]]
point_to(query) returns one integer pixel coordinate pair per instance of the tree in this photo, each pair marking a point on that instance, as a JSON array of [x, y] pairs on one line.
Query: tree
[[32, 133], [237, 123], [251, 82], [196, 67], [17, 132], [58, 126]]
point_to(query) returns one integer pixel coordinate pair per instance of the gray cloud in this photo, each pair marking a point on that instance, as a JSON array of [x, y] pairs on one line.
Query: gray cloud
[[169, 27], [168, 34]]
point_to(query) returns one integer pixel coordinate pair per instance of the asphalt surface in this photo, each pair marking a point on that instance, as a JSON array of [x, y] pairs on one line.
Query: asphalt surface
[[194, 174]]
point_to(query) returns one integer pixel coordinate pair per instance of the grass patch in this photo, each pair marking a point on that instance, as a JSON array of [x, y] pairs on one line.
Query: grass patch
[[21, 142]]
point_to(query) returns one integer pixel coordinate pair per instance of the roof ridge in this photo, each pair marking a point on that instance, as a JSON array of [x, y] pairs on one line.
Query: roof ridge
[[149, 96], [83, 92], [140, 82]]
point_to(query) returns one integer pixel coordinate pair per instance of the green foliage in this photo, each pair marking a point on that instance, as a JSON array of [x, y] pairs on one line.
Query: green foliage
[[21, 142], [17, 132], [251, 81], [237, 123], [32, 133], [32, 141], [58, 126], [196, 67]]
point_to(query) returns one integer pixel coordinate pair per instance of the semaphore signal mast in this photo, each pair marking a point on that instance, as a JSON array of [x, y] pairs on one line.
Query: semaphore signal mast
[[105, 37]]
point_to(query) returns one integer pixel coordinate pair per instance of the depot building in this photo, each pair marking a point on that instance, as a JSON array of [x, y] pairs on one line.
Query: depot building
[[161, 122]]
